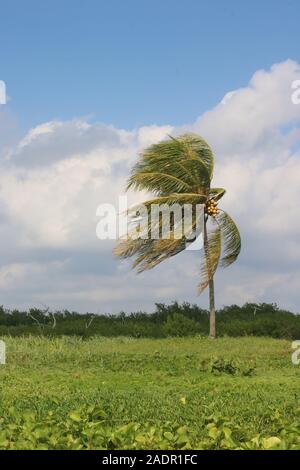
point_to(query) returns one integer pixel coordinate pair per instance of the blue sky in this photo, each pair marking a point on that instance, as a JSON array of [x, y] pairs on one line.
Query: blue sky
[[136, 62], [80, 72]]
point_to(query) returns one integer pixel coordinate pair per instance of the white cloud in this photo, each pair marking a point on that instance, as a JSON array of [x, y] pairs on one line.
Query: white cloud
[[54, 178]]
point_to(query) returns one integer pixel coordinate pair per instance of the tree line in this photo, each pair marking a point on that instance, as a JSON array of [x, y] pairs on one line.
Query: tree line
[[165, 321]]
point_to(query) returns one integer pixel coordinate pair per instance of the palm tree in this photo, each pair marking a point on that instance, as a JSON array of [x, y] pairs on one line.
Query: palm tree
[[179, 171]]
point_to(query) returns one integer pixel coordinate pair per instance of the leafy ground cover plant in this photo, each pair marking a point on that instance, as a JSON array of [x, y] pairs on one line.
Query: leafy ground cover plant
[[90, 428], [233, 367], [70, 393]]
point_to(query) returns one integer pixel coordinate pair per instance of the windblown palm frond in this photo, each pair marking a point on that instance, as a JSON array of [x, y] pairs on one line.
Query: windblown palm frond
[[149, 253], [201, 148], [158, 251], [173, 198], [177, 165], [231, 239], [217, 193], [210, 255]]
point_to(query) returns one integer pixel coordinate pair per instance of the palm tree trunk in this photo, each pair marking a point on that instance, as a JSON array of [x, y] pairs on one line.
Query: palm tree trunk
[[212, 309]]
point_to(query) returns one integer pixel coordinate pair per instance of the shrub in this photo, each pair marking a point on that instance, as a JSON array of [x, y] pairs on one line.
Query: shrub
[[179, 325]]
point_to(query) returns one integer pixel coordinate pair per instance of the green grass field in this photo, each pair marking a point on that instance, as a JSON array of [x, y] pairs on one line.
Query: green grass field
[[149, 394]]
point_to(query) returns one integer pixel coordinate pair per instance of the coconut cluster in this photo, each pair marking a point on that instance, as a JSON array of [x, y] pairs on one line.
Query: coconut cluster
[[211, 208]]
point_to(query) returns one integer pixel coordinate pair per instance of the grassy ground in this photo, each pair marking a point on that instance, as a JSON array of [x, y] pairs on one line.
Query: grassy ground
[[142, 393]]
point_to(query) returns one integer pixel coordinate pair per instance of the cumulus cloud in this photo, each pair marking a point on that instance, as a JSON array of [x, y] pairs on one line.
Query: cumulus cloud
[[53, 179]]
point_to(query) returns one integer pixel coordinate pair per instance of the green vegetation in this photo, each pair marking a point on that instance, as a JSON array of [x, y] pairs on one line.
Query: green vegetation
[[179, 172], [166, 320], [149, 393]]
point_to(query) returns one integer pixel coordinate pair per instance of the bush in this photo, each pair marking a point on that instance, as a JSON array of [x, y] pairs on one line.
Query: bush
[[179, 325]]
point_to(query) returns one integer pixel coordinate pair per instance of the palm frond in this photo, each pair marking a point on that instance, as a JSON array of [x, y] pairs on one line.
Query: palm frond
[[231, 239], [210, 256], [129, 247], [217, 193], [201, 149], [173, 198], [158, 251], [158, 183], [148, 253], [176, 158]]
